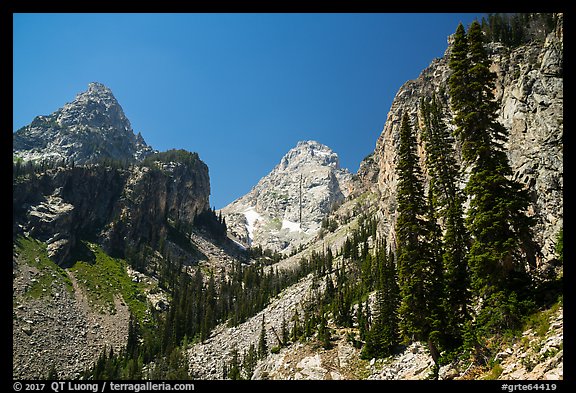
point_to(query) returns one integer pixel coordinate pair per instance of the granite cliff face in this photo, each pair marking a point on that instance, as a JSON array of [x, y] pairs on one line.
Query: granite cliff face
[[529, 89], [121, 207], [287, 206], [90, 128], [126, 201]]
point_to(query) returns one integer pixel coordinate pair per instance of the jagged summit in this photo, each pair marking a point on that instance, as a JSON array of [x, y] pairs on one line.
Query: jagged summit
[[96, 107], [91, 127], [97, 88], [287, 206], [309, 151]]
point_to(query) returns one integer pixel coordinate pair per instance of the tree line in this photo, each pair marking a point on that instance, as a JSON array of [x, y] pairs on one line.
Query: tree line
[[516, 29]]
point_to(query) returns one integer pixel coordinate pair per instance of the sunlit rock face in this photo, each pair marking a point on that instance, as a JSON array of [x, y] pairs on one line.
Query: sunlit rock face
[[286, 207], [90, 128]]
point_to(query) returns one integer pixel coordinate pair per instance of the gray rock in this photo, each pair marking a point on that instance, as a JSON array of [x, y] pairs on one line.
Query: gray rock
[[91, 127], [27, 329], [286, 207]]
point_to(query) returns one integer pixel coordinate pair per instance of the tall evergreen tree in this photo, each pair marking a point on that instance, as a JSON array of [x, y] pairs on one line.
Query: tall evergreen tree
[[296, 331], [383, 334], [133, 336], [233, 370], [418, 269], [446, 201], [324, 335], [284, 331], [249, 362], [262, 342], [496, 220]]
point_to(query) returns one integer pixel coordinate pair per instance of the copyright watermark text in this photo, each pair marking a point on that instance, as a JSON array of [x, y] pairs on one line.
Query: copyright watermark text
[[100, 387]]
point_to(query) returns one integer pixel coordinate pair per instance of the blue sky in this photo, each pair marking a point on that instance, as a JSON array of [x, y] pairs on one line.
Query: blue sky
[[239, 89]]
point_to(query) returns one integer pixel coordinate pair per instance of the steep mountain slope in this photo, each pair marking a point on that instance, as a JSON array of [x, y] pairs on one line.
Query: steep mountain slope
[[529, 90], [59, 322], [64, 318], [207, 359], [286, 207], [70, 298], [123, 207], [91, 127]]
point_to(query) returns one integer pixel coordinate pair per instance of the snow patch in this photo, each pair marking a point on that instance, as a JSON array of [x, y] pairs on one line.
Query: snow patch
[[316, 152], [291, 226], [251, 217]]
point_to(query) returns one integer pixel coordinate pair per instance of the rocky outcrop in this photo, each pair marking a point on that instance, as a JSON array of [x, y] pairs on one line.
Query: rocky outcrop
[[93, 181], [122, 207], [169, 190], [536, 354], [529, 90], [308, 361], [530, 93], [88, 129], [287, 206], [62, 205]]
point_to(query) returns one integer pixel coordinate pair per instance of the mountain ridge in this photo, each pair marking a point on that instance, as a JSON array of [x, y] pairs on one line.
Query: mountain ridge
[[286, 207], [92, 127], [529, 93]]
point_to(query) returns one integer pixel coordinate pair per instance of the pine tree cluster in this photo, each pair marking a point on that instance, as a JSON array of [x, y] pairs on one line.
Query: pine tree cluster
[[452, 260], [519, 28]]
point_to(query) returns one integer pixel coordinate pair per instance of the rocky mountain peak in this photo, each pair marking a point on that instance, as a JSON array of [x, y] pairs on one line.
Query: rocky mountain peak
[[96, 107], [91, 127], [98, 87], [309, 152], [286, 207]]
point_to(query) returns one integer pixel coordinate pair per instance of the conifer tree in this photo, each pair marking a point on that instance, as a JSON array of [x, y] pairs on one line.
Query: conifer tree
[[296, 331], [324, 333], [559, 247], [418, 271], [446, 202], [496, 219], [383, 334], [262, 342], [52, 373], [249, 361], [133, 336], [233, 370]]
